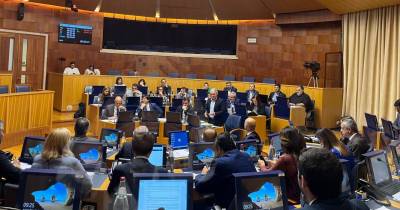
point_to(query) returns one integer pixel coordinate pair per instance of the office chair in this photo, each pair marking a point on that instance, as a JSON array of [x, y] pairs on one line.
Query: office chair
[[210, 77], [153, 74], [232, 122], [249, 79], [22, 88], [3, 89], [238, 134], [131, 73], [269, 81], [173, 74], [114, 72], [191, 76], [229, 78]]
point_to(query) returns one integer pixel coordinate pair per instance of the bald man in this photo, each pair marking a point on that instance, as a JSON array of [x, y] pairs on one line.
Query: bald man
[[209, 135], [111, 111], [250, 126]]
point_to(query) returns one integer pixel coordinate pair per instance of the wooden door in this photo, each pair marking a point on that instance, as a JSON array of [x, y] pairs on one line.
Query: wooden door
[[7, 52]]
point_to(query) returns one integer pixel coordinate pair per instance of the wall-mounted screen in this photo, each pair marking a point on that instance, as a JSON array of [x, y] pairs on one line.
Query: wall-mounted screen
[[169, 37], [75, 34]]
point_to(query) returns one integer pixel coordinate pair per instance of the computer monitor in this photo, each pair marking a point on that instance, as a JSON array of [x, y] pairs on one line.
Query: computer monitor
[[260, 190], [91, 154], [193, 120], [132, 101], [201, 154], [111, 136], [372, 121], [142, 89], [378, 168], [202, 93], [176, 102], [108, 100], [156, 100], [162, 191], [251, 147], [275, 141], [150, 116], [179, 139], [97, 89], [388, 129], [174, 117], [158, 155], [33, 145], [371, 135], [48, 189], [125, 116], [119, 90]]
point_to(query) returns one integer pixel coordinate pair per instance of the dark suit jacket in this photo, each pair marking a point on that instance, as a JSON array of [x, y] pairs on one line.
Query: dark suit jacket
[[125, 152], [189, 111], [153, 107], [358, 146], [138, 165], [232, 89], [252, 136], [235, 103], [260, 109], [7, 170], [167, 90], [336, 204], [220, 180], [255, 92], [271, 95], [109, 111], [220, 111], [303, 98]]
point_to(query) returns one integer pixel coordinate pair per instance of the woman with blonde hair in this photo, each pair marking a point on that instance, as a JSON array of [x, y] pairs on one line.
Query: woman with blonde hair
[[57, 155]]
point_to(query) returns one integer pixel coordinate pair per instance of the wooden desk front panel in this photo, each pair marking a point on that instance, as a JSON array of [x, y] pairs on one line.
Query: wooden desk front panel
[[6, 79]]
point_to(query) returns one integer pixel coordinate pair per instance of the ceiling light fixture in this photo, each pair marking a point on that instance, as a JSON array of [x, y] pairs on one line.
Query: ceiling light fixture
[[158, 9], [98, 7], [213, 10]]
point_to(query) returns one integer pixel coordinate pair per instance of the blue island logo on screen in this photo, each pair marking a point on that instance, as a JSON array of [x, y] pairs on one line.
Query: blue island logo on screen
[[251, 150], [36, 150], [206, 156], [55, 195], [267, 197], [92, 155], [112, 138]]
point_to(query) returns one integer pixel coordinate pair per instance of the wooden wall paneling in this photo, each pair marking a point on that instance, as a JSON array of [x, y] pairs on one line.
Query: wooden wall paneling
[[39, 108], [6, 79], [18, 113]]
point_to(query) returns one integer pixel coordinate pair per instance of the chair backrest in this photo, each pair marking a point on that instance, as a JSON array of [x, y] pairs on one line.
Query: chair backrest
[[173, 74], [22, 88], [269, 81], [192, 76], [153, 74], [210, 76], [3, 89], [152, 126], [281, 108], [232, 122], [169, 127], [114, 72], [132, 73], [249, 79], [238, 134], [229, 77]]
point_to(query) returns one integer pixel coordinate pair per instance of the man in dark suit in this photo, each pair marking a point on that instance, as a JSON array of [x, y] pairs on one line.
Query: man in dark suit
[[111, 111], [126, 151], [229, 87], [273, 96], [9, 170], [145, 105], [141, 148], [219, 179], [166, 88], [250, 126], [215, 109], [251, 92], [350, 136], [185, 108], [300, 98], [320, 180], [232, 103], [81, 127]]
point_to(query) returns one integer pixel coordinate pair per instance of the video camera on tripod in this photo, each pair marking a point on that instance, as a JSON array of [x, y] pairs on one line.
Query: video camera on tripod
[[315, 67]]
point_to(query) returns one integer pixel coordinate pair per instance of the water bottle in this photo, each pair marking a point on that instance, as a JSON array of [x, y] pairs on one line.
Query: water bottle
[[121, 200], [272, 152]]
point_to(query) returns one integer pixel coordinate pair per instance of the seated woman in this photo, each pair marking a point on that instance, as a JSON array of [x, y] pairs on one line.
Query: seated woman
[[106, 92], [57, 155], [92, 71], [119, 82], [142, 83], [256, 106], [292, 142]]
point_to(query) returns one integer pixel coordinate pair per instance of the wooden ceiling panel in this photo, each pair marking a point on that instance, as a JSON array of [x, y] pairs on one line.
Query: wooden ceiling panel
[[347, 6], [131, 7], [289, 6], [186, 9], [241, 10]]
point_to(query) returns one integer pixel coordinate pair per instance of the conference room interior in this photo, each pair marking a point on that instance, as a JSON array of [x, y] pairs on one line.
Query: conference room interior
[[199, 104]]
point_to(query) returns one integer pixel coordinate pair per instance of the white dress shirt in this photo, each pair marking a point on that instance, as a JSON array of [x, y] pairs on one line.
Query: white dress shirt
[[94, 72], [71, 71], [212, 105]]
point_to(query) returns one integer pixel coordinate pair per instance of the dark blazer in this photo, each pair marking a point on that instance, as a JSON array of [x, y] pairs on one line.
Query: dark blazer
[[188, 111], [109, 111], [220, 111], [252, 136], [271, 95], [7, 170], [358, 146], [231, 89], [125, 151], [260, 109], [138, 165], [235, 104], [303, 98], [153, 107], [255, 92], [220, 180], [167, 90], [336, 204]]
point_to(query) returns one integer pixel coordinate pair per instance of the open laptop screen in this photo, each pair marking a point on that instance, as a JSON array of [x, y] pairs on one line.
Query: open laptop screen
[[91, 154], [179, 139], [33, 146], [250, 147], [157, 156], [201, 154], [379, 168], [111, 136], [372, 121]]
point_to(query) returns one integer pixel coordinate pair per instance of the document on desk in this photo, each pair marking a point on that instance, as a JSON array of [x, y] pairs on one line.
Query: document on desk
[[382, 208], [396, 196], [24, 166]]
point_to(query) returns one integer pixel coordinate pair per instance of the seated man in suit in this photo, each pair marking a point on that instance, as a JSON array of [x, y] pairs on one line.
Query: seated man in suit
[[145, 105], [215, 109], [81, 127], [396, 123], [229, 87], [209, 135], [273, 96], [231, 103], [250, 126], [9, 170], [300, 98], [126, 150], [218, 179], [251, 92], [358, 145], [141, 148], [320, 180], [111, 111], [185, 108], [166, 88]]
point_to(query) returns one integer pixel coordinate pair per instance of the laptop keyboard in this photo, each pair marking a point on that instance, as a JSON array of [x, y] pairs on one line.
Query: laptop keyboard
[[180, 153], [391, 188]]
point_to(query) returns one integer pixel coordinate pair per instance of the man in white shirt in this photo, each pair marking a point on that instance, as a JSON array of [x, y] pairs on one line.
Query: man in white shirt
[[92, 71], [215, 109], [71, 69]]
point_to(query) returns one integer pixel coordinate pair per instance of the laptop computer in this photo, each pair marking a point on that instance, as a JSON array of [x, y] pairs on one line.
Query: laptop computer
[[372, 121], [260, 190], [107, 101], [91, 154], [176, 102], [156, 100], [150, 116], [158, 155], [174, 117], [388, 129], [125, 116], [48, 189], [275, 141], [200, 155], [119, 90], [371, 135], [179, 143], [33, 145], [132, 101], [202, 93], [142, 89], [112, 137], [193, 120], [97, 89], [379, 172], [251, 147], [164, 191]]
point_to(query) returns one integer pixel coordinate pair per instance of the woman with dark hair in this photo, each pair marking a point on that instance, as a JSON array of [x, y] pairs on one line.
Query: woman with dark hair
[[142, 83], [119, 82], [292, 142], [106, 92], [256, 106]]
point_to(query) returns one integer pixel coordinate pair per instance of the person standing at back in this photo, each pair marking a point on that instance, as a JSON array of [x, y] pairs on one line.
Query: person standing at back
[[215, 109]]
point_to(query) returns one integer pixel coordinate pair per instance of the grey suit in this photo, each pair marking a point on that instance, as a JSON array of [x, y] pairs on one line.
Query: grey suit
[[109, 111]]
